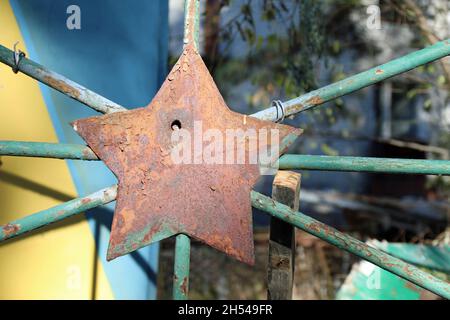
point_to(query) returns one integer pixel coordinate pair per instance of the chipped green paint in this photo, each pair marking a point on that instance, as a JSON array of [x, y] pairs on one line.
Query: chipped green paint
[[289, 140], [181, 267], [191, 22], [46, 150], [60, 83], [57, 213], [352, 245], [359, 81], [138, 239], [364, 164]]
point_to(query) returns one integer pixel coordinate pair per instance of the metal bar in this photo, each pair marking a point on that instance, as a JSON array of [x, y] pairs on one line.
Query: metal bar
[[293, 106], [57, 213], [352, 245], [183, 243], [364, 164], [60, 83], [46, 150], [191, 22], [358, 81], [181, 267], [182, 250], [286, 162]]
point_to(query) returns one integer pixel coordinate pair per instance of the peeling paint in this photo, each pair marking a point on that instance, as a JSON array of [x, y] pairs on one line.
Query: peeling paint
[[316, 100], [9, 229], [62, 86]]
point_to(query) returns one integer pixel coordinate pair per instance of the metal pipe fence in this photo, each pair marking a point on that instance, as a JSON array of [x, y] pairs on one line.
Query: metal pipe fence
[[298, 162]]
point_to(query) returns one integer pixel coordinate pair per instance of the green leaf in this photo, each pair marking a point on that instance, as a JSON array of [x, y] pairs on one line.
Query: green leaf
[[441, 80], [427, 105], [336, 47], [329, 150], [411, 93]]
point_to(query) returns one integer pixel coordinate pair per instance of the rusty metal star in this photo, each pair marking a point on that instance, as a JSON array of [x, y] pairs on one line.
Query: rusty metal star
[[157, 197]]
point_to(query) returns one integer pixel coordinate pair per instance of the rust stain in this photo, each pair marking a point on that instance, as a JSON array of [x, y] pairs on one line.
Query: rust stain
[[314, 101], [86, 200], [184, 286], [154, 230], [379, 71], [314, 227], [190, 24], [158, 196], [62, 86], [423, 294], [10, 229], [87, 152]]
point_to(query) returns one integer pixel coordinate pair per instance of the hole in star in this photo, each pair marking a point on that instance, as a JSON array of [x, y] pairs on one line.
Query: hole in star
[[176, 125]]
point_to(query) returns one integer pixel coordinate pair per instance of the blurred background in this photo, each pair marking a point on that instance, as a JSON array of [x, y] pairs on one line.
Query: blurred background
[[257, 51]]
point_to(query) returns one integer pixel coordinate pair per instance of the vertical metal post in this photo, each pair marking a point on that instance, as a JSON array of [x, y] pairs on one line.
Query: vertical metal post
[[182, 242], [191, 22], [280, 271], [181, 267]]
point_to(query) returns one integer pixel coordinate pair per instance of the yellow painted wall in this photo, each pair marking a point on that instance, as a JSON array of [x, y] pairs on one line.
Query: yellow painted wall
[[55, 262]]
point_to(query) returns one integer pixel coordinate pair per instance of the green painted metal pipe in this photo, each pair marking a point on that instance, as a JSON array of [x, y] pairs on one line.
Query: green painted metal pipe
[[191, 22], [286, 162], [57, 213], [60, 83], [182, 249], [352, 245], [181, 267], [364, 164], [46, 150], [358, 81]]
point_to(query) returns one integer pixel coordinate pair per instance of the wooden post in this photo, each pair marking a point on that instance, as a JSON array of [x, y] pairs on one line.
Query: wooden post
[[286, 190]]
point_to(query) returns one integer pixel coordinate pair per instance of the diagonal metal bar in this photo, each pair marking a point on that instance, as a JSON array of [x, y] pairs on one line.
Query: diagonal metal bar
[[60, 83], [364, 164], [46, 150], [352, 245], [308, 224], [290, 107], [57, 213], [358, 81]]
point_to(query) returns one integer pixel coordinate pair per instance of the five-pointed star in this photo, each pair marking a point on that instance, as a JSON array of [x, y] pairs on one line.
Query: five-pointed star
[[157, 197]]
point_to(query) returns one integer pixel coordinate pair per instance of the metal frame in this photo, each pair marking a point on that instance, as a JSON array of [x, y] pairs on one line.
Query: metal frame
[[276, 209]]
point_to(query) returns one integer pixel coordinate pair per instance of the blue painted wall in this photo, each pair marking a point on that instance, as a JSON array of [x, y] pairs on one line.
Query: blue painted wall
[[120, 52]]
